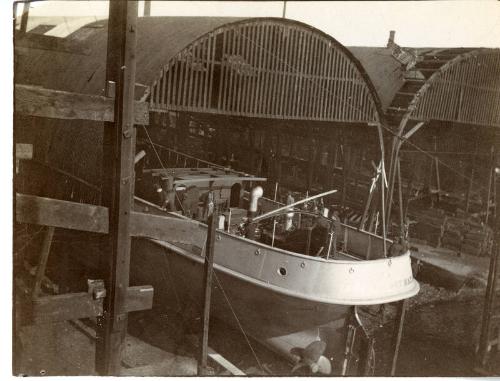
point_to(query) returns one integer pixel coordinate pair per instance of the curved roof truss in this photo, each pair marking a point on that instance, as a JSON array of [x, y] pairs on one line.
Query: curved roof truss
[[453, 85], [269, 68]]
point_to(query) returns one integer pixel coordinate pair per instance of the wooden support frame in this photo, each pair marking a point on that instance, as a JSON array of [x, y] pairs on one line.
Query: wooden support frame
[[47, 103], [398, 334], [207, 286], [118, 189], [48, 309], [63, 214], [92, 218]]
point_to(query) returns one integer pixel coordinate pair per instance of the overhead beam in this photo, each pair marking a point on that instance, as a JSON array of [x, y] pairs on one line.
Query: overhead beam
[[57, 104]]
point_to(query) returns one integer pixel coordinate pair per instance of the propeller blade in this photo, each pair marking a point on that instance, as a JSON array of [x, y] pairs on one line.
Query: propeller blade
[[324, 365], [313, 351]]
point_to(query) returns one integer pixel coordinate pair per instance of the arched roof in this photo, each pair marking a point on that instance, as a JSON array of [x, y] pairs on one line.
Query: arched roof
[[78, 64], [286, 68], [454, 85], [459, 85]]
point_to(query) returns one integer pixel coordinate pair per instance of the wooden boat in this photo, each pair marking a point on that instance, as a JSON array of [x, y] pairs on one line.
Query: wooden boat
[[278, 296]]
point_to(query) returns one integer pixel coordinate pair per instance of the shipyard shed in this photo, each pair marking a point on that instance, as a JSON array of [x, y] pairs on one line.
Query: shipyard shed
[[203, 93], [182, 88], [268, 96], [442, 106]]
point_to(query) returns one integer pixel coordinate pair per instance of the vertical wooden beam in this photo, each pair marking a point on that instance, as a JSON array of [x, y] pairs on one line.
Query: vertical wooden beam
[[207, 284], [42, 263], [398, 334], [493, 276], [400, 195], [118, 182], [310, 165], [25, 16], [471, 177], [147, 8], [491, 177]]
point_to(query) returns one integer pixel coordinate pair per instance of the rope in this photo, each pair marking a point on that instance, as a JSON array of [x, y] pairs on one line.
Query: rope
[[238, 321], [161, 163], [152, 145]]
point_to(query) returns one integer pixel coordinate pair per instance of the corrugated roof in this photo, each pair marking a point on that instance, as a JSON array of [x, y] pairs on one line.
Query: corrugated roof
[[158, 40], [385, 71]]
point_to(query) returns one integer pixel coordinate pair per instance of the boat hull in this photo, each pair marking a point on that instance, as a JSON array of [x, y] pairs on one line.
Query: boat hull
[[262, 312]]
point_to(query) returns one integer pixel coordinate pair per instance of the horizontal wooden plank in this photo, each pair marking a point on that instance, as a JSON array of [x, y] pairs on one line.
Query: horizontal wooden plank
[[24, 151], [226, 179], [61, 214], [167, 228], [226, 364], [94, 218], [72, 306], [47, 103]]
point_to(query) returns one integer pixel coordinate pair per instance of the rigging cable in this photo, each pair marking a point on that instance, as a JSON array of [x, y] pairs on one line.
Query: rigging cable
[[237, 320], [161, 163]]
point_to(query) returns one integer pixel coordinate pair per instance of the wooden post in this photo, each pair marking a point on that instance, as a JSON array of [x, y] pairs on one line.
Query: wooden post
[[345, 174], [400, 195], [118, 184], [147, 8], [398, 334], [207, 284], [471, 179], [493, 278], [310, 164], [25, 16], [491, 178], [42, 263]]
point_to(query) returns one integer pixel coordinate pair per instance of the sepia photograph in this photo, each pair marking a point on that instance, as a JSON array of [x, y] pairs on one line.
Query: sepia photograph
[[253, 188]]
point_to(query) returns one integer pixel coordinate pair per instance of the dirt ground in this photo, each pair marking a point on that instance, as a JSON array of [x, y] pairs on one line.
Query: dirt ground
[[440, 335]]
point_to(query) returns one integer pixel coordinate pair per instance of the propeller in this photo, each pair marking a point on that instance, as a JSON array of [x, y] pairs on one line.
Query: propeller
[[312, 356]]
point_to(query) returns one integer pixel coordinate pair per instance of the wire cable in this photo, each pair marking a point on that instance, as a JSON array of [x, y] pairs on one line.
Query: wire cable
[[238, 321]]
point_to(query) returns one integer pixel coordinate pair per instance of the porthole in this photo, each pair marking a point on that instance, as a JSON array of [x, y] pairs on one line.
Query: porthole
[[282, 271]]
